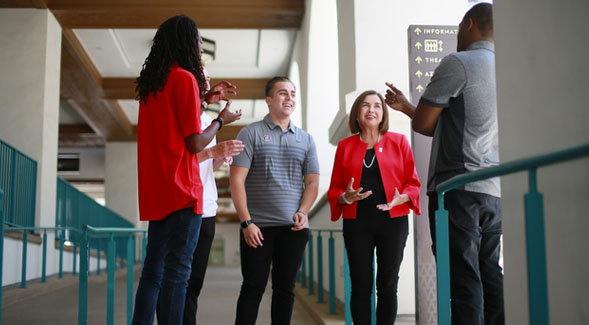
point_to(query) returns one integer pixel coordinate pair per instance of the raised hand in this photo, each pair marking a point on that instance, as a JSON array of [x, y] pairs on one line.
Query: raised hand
[[220, 92], [398, 199], [351, 195], [226, 149], [227, 116], [395, 98]]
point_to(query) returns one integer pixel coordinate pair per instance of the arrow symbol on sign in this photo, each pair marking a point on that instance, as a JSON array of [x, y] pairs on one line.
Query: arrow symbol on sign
[[417, 30], [418, 74], [418, 45], [419, 88], [440, 49], [418, 59]]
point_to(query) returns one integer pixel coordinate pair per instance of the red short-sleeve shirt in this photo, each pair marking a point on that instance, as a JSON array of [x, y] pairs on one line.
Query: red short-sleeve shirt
[[168, 174]]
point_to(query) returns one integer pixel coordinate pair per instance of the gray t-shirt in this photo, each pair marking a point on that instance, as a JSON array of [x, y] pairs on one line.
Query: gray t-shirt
[[466, 135], [277, 162]]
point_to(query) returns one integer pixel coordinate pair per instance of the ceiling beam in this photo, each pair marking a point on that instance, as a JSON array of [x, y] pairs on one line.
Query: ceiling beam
[[81, 87], [224, 14], [124, 88]]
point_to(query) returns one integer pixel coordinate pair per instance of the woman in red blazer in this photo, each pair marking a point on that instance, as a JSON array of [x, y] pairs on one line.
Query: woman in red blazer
[[374, 184]]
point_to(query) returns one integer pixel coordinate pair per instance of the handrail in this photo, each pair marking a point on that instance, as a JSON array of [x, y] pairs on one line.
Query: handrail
[[515, 166], [89, 231], [534, 219]]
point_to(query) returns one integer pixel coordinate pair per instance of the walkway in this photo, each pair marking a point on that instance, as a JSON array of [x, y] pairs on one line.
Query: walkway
[[60, 304]]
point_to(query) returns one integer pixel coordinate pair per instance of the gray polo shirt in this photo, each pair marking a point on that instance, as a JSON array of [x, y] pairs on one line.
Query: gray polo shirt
[[466, 136], [277, 163]]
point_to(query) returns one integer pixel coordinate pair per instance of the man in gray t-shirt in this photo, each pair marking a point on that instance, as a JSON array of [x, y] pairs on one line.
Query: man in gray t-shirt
[[459, 109], [274, 182]]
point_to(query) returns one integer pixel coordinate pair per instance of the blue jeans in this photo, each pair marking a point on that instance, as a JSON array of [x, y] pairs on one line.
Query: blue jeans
[[170, 244]]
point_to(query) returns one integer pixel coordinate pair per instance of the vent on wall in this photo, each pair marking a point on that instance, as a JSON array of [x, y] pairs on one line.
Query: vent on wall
[[68, 164]]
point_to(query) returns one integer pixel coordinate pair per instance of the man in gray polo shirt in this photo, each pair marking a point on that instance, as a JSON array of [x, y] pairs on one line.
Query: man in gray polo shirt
[[459, 109], [274, 182]]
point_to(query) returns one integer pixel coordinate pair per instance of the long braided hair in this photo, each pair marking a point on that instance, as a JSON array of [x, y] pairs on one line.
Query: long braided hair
[[176, 40]]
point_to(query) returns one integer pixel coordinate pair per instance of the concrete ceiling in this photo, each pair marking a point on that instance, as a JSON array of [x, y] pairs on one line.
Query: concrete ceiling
[[106, 41]]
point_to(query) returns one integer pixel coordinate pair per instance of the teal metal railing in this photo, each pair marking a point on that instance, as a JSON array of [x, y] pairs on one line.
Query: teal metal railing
[[74, 209], [124, 234], [18, 178], [313, 257], [534, 227]]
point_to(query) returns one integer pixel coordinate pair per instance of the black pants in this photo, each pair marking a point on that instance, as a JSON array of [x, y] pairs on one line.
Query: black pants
[[283, 249], [361, 236], [476, 278], [200, 260]]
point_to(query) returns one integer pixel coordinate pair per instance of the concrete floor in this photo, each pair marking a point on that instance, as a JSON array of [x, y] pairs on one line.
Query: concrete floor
[[60, 304]]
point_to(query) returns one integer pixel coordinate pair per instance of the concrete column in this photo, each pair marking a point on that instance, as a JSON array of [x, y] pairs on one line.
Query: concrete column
[[541, 88], [29, 95], [315, 56], [120, 181]]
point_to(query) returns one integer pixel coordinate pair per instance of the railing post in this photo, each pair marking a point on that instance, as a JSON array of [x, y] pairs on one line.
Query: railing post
[[1, 249], [44, 266], [319, 268], [74, 259], [98, 261], [347, 289], [144, 248], [61, 240], [130, 265], [311, 284], [331, 247], [373, 295], [110, 266], [84, 272], [536, 253], [443, 262], [303, 269], [23, 280]]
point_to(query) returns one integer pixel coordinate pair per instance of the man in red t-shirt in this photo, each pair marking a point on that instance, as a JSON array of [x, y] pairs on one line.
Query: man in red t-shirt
[[169, 136]]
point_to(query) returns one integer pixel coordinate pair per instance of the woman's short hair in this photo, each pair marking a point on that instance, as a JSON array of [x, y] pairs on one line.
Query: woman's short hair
[[353, 123]]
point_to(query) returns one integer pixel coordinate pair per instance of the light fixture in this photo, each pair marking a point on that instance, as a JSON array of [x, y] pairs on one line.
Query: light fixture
[[209, 47]]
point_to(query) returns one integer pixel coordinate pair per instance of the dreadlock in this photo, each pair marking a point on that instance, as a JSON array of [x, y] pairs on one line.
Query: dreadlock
[[176, 40]]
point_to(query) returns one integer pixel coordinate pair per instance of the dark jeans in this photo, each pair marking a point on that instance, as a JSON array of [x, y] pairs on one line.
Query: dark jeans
[[170, 244], [199, 268], [476, 278], [200, 260], [283, 249], [361, 236]]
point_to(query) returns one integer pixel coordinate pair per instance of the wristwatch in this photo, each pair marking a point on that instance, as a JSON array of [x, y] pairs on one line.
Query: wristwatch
[[221, 122], [246, 223]]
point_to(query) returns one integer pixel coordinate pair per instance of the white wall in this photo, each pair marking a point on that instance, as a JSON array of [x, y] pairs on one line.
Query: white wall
[[542, 67], [29, 97], [12, 266], [29, 105], [92, 163], [229, 233], [120, 182]]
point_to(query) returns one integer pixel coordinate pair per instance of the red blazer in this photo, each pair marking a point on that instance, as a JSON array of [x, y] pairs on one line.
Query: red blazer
[[397, 169]]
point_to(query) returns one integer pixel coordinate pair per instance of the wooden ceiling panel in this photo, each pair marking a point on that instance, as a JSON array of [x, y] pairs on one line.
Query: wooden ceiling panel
[[124, 88], [80, 87], [225, 14]]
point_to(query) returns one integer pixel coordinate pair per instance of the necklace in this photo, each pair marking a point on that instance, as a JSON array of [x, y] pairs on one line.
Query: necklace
[[371, 162]]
